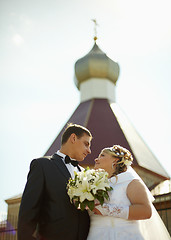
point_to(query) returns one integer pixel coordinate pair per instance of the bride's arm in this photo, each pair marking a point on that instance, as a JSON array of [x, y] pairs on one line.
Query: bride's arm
[[140, 208]]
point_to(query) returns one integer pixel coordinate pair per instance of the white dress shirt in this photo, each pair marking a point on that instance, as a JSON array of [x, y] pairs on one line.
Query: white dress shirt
[[69, 166]]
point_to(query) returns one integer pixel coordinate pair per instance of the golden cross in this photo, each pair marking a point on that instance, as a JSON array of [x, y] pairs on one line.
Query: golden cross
[[95, 29]]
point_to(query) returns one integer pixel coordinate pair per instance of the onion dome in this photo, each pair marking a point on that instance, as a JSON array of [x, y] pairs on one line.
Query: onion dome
[[96, 64]]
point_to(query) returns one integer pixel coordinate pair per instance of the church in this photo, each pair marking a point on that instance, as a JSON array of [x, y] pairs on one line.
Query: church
[[96, 76]]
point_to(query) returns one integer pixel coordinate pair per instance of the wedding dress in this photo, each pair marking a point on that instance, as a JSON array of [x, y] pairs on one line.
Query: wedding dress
[[112, 228]]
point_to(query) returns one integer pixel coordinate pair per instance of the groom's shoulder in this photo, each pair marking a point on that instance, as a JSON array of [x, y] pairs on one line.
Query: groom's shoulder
[[41, 160]]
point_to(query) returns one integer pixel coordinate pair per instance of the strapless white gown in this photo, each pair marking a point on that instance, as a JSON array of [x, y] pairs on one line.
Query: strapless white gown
[[111, 228]]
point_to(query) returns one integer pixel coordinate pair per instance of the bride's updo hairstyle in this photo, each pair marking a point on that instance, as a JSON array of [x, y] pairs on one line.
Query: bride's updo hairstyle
[[124, 156]]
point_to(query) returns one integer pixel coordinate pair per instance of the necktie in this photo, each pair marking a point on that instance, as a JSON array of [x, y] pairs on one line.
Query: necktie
[[74, 163]]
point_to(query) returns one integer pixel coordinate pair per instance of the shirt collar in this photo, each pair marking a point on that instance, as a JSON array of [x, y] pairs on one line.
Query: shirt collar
[[63, 155]]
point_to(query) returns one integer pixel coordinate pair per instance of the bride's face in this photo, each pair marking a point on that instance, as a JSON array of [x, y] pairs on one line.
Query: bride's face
[[105, 162]]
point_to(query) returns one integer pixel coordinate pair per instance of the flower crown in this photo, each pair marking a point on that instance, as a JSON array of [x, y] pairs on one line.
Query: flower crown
[[123, 153]]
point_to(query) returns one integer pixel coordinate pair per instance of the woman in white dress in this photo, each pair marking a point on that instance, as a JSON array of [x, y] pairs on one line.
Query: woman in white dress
[[123, 216]]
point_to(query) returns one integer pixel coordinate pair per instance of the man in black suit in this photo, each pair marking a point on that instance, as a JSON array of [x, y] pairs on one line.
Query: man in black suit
[[46, 212]]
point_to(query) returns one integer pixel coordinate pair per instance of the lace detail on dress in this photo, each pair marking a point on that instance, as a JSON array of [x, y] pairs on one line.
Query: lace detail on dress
[[114, 210]]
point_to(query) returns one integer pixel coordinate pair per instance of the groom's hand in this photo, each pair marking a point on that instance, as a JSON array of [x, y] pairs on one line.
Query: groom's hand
[[96, 211], [96, 202]]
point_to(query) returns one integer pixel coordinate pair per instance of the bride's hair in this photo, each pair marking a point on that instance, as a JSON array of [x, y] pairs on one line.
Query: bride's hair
[[123, 155]]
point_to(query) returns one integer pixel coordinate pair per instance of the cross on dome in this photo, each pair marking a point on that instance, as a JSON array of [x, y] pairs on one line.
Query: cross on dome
[[95, 29]]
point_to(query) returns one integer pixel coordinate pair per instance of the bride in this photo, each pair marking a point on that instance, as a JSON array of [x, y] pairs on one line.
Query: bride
[[129, 214]]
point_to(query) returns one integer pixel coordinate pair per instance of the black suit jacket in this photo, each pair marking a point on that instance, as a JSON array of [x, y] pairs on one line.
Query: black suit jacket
[[46, 206]]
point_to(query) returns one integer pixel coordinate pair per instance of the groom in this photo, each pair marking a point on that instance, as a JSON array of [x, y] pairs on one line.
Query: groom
[[46, 212]]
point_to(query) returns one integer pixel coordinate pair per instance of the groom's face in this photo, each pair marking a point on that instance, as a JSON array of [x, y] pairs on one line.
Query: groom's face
[[81, 147]]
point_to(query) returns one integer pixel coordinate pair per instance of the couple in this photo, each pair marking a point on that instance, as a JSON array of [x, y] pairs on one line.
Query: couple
[[46, 212]]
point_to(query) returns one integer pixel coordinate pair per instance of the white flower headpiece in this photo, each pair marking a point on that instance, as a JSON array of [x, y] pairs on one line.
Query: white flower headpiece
[[123, 153]]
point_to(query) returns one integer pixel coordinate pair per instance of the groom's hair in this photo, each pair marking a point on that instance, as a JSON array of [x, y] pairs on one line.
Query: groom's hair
[[74, 128]]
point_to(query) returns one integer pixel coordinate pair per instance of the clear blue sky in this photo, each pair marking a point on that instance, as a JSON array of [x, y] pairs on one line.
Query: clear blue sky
[[40, 41]]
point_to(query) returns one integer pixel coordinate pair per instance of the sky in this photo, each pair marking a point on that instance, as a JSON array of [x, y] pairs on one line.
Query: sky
[[40, 41]]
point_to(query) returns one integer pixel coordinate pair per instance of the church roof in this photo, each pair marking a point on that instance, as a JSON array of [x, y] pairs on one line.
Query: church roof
[[109, 126]]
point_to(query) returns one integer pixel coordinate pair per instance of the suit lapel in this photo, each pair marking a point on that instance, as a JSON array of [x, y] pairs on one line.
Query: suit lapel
[[61, 166]]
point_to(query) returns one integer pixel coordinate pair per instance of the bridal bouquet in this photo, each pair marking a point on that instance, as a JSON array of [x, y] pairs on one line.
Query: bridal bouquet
[[87, 186]]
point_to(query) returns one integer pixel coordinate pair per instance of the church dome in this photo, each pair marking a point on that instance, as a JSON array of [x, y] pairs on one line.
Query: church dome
[[96, 64]]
